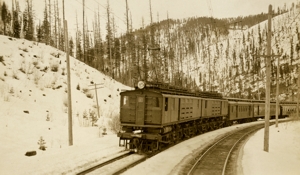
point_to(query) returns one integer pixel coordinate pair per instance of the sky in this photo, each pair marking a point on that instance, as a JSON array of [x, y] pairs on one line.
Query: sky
[[139, 9]]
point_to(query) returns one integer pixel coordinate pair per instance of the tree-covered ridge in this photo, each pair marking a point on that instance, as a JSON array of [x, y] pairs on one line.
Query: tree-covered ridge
[[203, 53]]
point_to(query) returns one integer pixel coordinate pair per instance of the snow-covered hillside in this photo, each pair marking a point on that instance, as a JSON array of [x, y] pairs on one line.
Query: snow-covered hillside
[[33, 106], [33, 97]]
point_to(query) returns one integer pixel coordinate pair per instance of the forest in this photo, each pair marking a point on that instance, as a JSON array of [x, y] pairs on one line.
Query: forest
[[197, 53]]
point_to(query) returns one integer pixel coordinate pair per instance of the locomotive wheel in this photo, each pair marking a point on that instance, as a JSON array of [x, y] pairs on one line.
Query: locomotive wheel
[[154, 146], [160, 146]]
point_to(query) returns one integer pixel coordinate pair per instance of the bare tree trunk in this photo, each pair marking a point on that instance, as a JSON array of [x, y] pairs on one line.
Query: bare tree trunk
[[50, 43]]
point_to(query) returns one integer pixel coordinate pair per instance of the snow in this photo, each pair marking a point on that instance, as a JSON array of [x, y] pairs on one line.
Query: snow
[[36, 91], [283, 156], [33, 106], [254, 159]]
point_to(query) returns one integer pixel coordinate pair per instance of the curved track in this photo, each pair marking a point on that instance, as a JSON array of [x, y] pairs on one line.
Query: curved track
[[216, 158], [114, 165]]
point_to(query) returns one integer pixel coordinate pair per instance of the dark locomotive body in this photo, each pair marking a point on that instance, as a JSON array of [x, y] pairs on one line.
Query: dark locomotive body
[[157, 114]]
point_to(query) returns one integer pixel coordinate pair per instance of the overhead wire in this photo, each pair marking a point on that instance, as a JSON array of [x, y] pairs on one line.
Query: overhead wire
[[123, 30]]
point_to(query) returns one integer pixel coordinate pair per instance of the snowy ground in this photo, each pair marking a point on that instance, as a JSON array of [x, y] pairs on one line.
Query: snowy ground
[[33, 98], [284, 151], [71, 160], [279, 160]]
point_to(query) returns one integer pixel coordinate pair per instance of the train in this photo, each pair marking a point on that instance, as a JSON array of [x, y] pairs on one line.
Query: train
[[154, 115]]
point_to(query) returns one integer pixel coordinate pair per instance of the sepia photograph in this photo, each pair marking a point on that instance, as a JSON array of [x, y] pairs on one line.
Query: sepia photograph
[[149, 87]]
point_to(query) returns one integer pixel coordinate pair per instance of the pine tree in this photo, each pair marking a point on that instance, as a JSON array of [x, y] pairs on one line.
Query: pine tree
[[93, 117], [56, 17], [5, 16], [61, 36], [109, 40], [40, 34], [25, 22], [51, 42], [118, 56], [71, 47], [46, 26], [28, 22], [16, 21], [42, 144], [79, 52]]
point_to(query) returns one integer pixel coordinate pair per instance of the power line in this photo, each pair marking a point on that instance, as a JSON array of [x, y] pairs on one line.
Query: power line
[[111, 12], [103, 17]]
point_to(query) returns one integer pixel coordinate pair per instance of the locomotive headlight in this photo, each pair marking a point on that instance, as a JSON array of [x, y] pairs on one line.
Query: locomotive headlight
[[141, 84]]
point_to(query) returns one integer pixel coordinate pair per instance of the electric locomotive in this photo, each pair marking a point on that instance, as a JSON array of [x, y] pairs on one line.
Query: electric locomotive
[[155, 114]]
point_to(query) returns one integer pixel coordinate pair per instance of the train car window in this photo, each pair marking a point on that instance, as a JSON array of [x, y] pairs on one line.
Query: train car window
[[140, 99], [249, 112], [173, 101], [156, 102], [125, 101], [166, 104], [205, 103]]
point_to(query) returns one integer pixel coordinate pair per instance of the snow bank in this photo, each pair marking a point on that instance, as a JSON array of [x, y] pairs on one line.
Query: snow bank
[[284, 151]]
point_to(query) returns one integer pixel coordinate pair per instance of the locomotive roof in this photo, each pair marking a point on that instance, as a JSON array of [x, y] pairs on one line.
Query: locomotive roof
[[175, 90]]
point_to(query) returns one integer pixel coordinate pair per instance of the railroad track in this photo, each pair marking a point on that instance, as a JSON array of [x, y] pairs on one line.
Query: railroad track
[[218, 158], [120, 163], [115, 165]]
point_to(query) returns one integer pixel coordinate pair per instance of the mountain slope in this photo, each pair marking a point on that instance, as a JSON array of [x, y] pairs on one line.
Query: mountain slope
[[33, 96]]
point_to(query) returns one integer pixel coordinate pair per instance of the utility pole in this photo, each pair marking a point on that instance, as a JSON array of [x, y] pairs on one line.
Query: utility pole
[[150, 12], [69, 86], [209, 73], [50, 23], [95, 88], [268, 73], [277, 92], [63, 1], [83, 26], [128, 37], [298, 92], [127, 19]]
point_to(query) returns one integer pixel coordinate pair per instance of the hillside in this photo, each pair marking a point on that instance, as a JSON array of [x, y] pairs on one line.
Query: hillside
[[221, 55], [207, 54], [33, 86]]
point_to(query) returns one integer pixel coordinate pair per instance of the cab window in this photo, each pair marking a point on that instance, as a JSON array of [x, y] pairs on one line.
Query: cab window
[[125, 101], [166, 104], [156, 102]]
